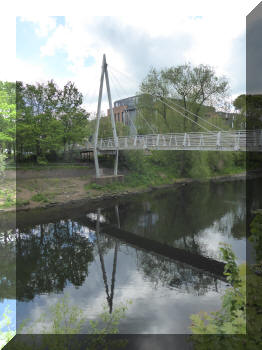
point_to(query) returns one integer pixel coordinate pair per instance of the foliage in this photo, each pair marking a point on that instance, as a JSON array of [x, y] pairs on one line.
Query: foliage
[[240, 103], [66, 319], [231, 319], [49, 119], [7, 117], [6, 334], [2, 164], [164, 93], [105, 128], [256, 235], [39, 197], [189, 89], [232, 303]]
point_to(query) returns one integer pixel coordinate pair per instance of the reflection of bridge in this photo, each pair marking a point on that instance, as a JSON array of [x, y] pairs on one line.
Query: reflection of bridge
[[220, 140], [197, 261]]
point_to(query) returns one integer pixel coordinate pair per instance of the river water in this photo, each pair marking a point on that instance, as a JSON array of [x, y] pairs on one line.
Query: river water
[[68, 255]]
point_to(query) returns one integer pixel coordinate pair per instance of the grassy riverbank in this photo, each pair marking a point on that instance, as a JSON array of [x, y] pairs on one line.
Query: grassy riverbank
[[33, 187]]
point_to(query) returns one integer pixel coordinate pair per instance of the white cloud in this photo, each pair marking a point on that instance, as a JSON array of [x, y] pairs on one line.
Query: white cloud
[[170, 35], [43, 24], [134, 45]]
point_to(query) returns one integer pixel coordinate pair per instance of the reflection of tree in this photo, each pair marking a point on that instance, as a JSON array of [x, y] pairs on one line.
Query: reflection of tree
[[178, 217], [175, 275], [49, 256], [7, 266]]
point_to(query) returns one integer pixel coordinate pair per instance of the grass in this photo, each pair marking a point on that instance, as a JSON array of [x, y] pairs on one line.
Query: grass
[[7, 195], [33, 166], [133, 180], [22, 202], [40, 197]]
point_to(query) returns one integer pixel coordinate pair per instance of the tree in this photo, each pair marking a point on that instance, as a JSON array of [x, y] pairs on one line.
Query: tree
[[154, 85], [7, 117], [195, 86], [72, 116], [240, 104], [49, 118]]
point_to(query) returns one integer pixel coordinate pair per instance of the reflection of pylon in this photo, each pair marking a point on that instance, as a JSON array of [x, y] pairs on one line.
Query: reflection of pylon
[[110, 296], [105, 73]]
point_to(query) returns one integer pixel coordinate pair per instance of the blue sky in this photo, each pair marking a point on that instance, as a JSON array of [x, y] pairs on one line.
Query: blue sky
[[71, 47]]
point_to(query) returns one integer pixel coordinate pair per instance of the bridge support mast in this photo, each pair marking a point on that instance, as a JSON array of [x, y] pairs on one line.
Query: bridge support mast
[[104, 73]]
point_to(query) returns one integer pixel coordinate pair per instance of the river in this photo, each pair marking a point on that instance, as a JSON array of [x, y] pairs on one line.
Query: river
[[66, 255]]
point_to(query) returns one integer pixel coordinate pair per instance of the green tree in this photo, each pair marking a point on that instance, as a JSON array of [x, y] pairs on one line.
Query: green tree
[[196, 86], [48, 118], [7, 117], [72, 116]]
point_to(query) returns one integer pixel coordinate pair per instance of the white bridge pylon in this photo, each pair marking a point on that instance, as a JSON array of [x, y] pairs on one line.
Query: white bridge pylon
[[104, 73]]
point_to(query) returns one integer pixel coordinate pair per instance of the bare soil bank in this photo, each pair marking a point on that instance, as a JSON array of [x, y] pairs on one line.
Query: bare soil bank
[[69, 188]]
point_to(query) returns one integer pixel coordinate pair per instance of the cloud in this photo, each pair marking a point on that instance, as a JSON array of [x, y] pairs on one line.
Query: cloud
[[43, 24], [136, 42], [134, 46]]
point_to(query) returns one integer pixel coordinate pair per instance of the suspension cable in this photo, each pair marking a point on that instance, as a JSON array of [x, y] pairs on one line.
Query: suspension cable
[[187, 117], [206, 121], [183, 114], [150, 127]]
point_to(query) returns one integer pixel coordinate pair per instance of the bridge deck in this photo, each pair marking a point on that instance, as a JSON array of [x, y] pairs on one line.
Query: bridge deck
[[235, 140]]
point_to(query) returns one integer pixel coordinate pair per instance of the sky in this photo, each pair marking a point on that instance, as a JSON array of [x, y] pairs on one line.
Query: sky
[[70, 47]]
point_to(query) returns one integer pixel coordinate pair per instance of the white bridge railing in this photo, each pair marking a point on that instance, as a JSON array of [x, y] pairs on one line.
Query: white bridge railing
[[235, 140]]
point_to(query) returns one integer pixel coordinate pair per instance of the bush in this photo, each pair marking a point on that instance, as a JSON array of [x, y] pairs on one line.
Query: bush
[[42, 160], [39, 197], [6, 334], [2, 164], [134, 160], [64, 318], [231, 319]]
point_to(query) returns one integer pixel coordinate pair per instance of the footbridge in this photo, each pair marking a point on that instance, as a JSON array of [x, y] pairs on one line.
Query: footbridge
[[218, 140], [234, 140]]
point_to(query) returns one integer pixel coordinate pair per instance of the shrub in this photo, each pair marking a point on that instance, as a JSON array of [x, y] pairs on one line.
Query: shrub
[[2, 164], [231, 319], [39, 197], [42, 160], [6, 334]]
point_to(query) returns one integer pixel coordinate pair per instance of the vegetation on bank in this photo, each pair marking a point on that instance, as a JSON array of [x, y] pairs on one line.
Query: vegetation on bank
[[231, 319], [238, 324], [141, 172], [63, 318], [6, 333]]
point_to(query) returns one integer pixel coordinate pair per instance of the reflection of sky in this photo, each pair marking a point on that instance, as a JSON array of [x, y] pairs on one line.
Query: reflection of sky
[[156, 308], [11, 304], [220, 232], [153, 310]]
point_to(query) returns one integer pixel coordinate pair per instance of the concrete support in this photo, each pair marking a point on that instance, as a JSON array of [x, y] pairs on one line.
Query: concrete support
[[116, 163]]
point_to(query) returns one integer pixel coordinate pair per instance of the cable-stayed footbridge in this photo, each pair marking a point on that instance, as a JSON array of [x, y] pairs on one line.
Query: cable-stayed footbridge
[[218, 140]]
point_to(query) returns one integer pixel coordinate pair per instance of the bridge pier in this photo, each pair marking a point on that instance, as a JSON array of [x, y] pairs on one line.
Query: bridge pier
[[107, 179]]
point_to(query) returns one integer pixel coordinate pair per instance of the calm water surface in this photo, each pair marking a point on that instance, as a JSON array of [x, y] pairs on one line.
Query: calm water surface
[[68, 256]]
